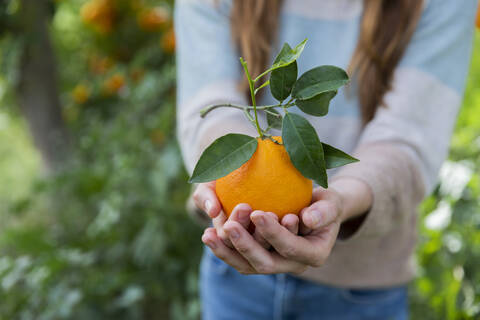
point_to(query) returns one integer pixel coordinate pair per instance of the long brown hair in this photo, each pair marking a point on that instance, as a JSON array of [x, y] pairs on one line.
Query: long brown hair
[[385, 31]]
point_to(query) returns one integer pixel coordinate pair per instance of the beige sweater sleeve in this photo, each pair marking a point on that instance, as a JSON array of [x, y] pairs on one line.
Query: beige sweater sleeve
[[395, 182], [402, 149]]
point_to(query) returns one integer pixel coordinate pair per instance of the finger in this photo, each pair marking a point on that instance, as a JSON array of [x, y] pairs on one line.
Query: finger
[[241, 214], [319, 193], [324, 239], [260, 239], [218, 223], [230, 256], [206, 199], [290, 222], [263, 261], [286, 243], [320, 214], [303, 229]]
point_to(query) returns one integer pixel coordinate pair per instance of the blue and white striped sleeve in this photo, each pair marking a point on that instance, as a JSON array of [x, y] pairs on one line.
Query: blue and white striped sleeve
[[208, 71]]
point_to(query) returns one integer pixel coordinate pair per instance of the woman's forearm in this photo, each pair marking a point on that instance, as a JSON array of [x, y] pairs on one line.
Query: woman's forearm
[[356, 196]]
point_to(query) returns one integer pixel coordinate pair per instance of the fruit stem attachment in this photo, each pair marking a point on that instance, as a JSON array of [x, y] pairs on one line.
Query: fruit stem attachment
[[252, 94]]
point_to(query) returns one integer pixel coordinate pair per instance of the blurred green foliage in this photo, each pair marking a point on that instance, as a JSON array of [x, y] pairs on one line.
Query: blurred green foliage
[[448, 255], [108, 237]]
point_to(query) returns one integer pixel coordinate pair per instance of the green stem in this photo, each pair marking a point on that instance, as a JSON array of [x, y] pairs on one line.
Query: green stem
[[252, 94], [273, 114], [247, 114], [209, 108], [262, 74], [262, 86]]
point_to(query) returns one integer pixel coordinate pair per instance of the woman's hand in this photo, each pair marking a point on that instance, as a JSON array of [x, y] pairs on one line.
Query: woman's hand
[[319, 225], [206, 199]]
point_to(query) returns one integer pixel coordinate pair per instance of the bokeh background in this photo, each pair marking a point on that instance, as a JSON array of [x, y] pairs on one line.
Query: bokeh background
[[93, 222]]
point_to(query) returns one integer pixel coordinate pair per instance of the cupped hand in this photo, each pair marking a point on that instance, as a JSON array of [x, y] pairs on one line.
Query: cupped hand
[[319, 226], [206, 199]]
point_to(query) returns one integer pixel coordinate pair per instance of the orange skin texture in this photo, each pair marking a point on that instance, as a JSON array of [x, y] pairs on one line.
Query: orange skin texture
[[267, 182]]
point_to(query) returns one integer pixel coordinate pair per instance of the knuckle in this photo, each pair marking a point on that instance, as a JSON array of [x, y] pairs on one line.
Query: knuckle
[[197, 198], [269, 233], [265, 268], [221, 234], [244, 250], [289, 252]]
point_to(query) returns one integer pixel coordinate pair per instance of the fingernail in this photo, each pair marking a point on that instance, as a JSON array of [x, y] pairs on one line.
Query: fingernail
[[234, 234], [243, 215], [211, 245], [315, 217], [260, 221], [208, 205]]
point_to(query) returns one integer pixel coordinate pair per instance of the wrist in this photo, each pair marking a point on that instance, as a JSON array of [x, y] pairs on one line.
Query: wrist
[[354, 196]]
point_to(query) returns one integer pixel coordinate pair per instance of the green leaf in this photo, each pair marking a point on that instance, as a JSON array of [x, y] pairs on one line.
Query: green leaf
[[336, 158], [286, 57], [274, 121], [319, 80], [318, 105], [283, 79], [304, 148], [223, 156]]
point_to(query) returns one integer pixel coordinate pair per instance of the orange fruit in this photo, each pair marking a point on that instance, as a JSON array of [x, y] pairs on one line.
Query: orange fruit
[[114, 84], [99, 14], [268, 182], [80, 93], [153, 19], [99, 65], [478, 17], [168, 41]]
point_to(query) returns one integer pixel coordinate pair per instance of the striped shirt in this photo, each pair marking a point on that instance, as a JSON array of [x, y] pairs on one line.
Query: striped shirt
[[401, 149]]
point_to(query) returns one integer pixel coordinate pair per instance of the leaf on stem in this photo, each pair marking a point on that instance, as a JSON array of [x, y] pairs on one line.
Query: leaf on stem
[[283, 78], [274, 121], [289, 56], [319, 80], [304, 148], [336, 158], [223, 156], [318, 105]]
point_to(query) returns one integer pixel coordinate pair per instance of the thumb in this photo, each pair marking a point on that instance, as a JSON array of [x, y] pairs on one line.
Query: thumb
[[320, 214]]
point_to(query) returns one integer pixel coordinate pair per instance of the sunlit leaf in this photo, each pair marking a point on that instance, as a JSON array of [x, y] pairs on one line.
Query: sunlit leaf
[[288, 56], [224, 155], [283, 79]]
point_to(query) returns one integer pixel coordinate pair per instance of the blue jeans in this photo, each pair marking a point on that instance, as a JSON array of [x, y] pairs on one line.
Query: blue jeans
[[227, 294]]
